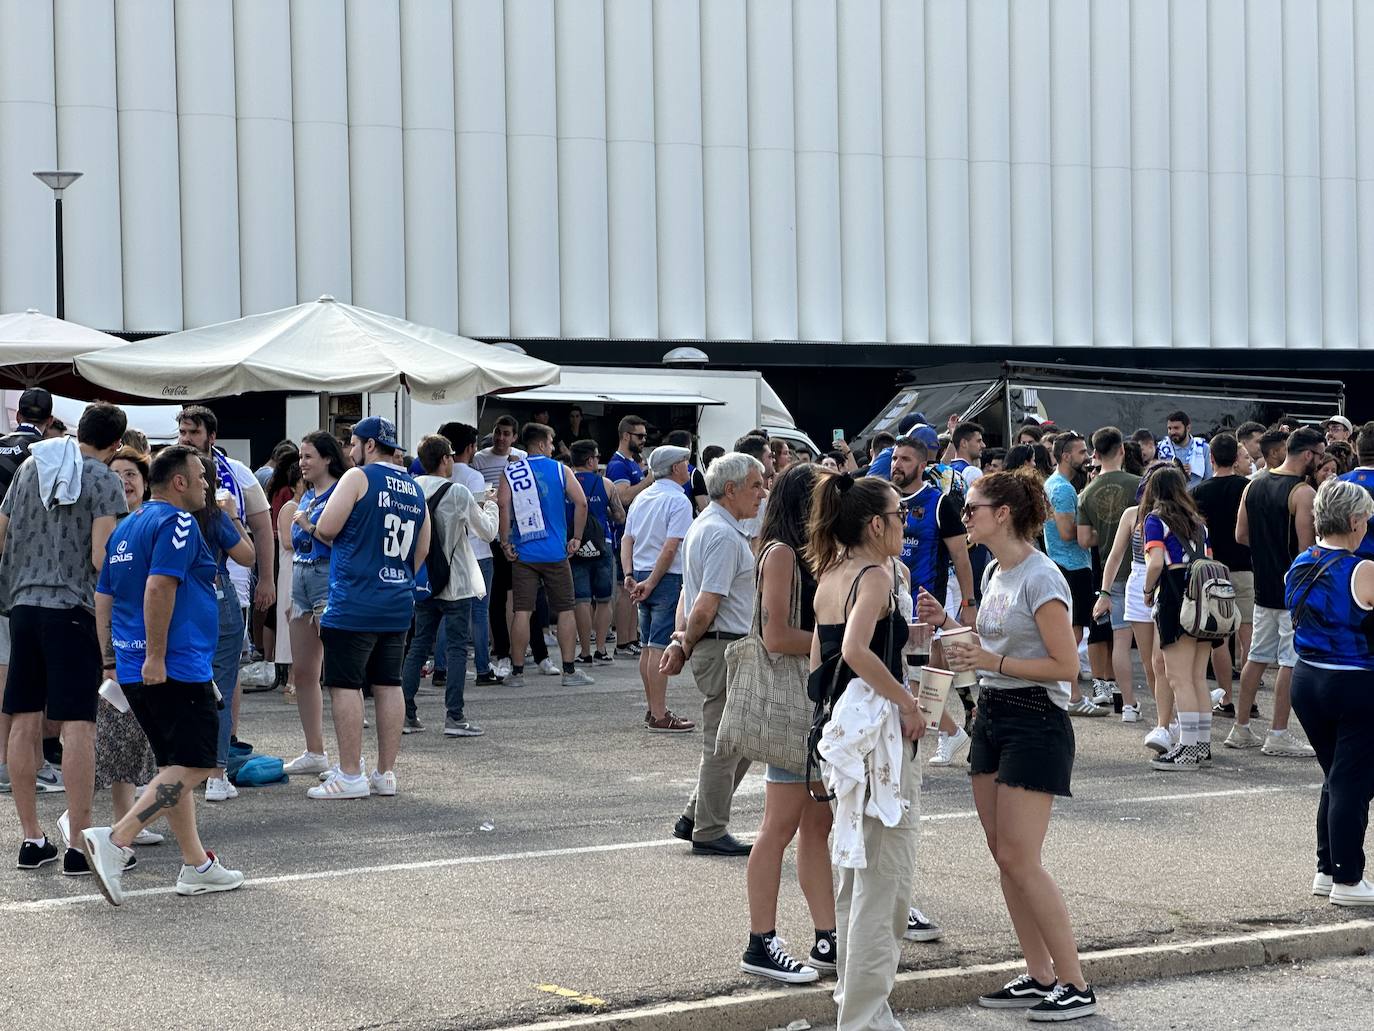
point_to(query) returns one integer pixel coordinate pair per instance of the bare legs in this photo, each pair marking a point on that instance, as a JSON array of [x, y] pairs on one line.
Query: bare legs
[[1015, 822], [786, 809], [656, 691], [1122, 672], [307, 655], [170, 794]]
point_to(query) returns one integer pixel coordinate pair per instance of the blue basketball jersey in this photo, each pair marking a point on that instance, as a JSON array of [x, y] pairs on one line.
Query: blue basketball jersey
[[372, 564], [1332, 627]]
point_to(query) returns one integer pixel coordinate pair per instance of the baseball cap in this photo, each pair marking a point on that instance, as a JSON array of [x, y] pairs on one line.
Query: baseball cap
[[374, 427], [666, 456], [1339, 420], [926, 437], [36, 400]]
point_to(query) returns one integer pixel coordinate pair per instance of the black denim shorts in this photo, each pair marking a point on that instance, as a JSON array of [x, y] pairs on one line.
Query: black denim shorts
[[1024, 739]]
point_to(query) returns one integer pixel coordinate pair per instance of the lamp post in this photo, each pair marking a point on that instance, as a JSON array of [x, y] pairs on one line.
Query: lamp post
[[57, 182]]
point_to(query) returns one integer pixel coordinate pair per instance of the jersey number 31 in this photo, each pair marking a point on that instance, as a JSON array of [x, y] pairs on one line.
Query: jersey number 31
[[400, 535]]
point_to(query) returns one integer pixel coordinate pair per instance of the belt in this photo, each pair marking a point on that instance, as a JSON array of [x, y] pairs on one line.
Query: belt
[[720, 635]]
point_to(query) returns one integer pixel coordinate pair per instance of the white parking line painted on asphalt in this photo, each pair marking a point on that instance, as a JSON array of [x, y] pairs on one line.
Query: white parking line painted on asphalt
[[620, 846]]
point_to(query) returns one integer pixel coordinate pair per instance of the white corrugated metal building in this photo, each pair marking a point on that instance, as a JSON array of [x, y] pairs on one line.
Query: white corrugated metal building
[[1117, 173]]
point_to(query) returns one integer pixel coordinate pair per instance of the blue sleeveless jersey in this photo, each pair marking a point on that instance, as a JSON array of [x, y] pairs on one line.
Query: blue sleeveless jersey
[[553, 545], [923, 552], [1365, 478], [372, 564], [598, 505], [1333, 628], [305, 547]]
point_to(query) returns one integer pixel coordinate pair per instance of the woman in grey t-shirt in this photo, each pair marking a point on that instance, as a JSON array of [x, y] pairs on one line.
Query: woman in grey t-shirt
[[1022, 751]]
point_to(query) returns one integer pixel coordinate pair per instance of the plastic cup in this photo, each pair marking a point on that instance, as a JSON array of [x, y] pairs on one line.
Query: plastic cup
[[960, 637], [931, 695]]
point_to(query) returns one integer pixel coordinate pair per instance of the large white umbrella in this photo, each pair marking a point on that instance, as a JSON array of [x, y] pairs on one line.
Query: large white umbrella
[[320, 347], [37, 349]]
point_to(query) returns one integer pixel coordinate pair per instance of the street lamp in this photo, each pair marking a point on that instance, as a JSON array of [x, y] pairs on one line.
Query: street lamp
[[57, 182]]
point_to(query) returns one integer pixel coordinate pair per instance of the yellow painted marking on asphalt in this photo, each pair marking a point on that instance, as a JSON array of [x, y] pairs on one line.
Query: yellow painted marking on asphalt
[[571, 994]]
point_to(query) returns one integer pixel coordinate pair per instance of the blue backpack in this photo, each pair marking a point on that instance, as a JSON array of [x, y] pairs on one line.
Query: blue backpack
[[256, 770]]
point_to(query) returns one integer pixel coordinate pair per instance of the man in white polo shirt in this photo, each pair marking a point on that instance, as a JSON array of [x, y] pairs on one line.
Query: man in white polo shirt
[[658, 520]]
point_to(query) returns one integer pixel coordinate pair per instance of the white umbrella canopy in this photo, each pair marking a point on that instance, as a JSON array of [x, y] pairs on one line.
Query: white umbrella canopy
[[37, 349], [320, 347]]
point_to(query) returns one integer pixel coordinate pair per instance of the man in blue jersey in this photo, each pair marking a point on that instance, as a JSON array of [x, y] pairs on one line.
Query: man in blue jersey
[[593, 574], [537, 538], [376, 523], [156, 610], [630, 480]]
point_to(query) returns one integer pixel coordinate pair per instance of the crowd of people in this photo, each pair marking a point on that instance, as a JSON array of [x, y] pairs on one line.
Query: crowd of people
[[133, 579]]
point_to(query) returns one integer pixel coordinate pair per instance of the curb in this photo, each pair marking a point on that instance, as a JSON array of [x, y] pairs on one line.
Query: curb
[[953, 986]]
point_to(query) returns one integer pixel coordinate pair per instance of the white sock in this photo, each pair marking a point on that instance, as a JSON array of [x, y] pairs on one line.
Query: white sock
[[1205, 727], [1189, 733], [40, 842], [205, 866]]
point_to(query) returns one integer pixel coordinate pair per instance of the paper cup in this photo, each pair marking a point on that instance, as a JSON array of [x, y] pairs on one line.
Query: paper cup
[[934, 689], [969, 678]]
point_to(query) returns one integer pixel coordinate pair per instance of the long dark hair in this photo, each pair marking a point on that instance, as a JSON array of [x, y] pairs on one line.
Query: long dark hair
[[789, 501], [328, 447], [1037, 456], [1173, 504], [281, 472], [840, 510]]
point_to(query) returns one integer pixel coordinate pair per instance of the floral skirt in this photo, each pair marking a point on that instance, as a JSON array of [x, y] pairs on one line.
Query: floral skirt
[[122, 752]]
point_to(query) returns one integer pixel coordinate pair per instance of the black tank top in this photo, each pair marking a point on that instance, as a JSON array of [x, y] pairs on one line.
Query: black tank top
[[1273, 534], [886, 643]]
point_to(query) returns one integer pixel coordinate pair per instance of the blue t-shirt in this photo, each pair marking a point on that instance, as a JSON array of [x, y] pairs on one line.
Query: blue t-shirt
[[881, 466], [307, 548], [1064, 499], [372, 563], [1334, 629], [552, 544], [161, 540], [623, 470], [598, 505]]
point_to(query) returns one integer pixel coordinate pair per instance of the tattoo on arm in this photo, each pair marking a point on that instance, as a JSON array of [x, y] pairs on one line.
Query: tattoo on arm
[[166, 797]]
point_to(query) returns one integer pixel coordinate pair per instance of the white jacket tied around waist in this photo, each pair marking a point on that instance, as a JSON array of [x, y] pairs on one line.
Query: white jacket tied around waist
[[862, 749]]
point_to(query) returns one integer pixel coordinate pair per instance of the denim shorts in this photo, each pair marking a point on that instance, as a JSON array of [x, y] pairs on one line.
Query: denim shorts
[[1024, 739], [658, 612], [777, 775], [309, 588], [592, 578]]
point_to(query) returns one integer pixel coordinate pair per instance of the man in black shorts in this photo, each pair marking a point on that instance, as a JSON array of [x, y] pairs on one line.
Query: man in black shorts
[[156, 610], [54, 522]]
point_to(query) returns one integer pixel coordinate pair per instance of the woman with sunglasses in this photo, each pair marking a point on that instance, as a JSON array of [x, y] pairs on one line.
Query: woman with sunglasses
[[854, 536], [1023, 745]]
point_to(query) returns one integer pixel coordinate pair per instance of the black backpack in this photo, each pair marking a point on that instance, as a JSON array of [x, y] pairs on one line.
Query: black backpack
[[436, 562], [825, 689], [14, 449]]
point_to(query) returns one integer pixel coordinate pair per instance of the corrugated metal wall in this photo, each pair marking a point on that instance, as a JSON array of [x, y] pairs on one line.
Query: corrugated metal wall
[[1183, 173]]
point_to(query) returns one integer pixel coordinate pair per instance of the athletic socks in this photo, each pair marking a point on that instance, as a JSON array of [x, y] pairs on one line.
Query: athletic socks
[[40, 842], [1189, 728], [569, 668], [205, 866], [1205, 727]]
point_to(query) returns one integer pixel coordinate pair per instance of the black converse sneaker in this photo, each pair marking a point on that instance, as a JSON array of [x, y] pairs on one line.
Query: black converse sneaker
[[1065, 1003], [767, 957], [1184, 758], [823, 952], [1019, 993]]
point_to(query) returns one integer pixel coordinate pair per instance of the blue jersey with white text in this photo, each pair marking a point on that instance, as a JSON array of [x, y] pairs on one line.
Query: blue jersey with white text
[[306, 547], [552, 544], [372, 561], [161, 540]]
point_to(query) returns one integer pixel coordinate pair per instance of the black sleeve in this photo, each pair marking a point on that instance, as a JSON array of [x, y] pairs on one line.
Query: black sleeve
[[949, 515], [699, 484]]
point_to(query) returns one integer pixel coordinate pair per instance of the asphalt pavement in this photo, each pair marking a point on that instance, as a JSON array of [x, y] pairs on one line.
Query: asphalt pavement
[[531, 873]]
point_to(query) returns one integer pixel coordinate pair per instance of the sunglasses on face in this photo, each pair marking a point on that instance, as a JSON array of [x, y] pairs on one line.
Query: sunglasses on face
[[970, 508]]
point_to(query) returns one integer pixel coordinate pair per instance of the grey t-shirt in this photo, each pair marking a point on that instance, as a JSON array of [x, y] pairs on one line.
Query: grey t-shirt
[[1006, 620], [47, 560], [716, 558]]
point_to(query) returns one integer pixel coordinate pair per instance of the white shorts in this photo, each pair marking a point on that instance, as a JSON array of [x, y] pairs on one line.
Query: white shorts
[[1136, 609], [1273, 637]]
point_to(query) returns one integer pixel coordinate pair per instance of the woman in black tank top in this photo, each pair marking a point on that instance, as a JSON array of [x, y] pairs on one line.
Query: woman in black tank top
[[854, 533]]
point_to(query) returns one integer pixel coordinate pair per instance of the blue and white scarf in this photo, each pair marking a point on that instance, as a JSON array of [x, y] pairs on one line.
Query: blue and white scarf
[[524, 499], [228, 482]]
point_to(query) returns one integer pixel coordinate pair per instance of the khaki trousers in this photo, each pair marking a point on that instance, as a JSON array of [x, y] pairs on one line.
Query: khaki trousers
[[718, 775], [871, 911]]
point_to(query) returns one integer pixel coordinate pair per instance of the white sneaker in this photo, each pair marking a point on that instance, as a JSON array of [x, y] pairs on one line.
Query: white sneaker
[[1158, 740], [340, 785], [1218, 696], [107, 861], [1102, 692], [191, 882], [308, 762], [1242, 736], [1285, 742], [501, 667], [147, 837], [550, 668], [217, 789], [949, 747], [64, 828], [1361, 894], [1322, 884], [334, 770], [382, 783], [1130, 713]]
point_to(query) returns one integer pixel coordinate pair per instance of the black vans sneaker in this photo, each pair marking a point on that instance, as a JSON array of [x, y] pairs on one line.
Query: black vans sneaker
[[1020, 993], [32, 856], [767, 957], [74, 863], [1065, 1003], [823, 952], [1180, 757]]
